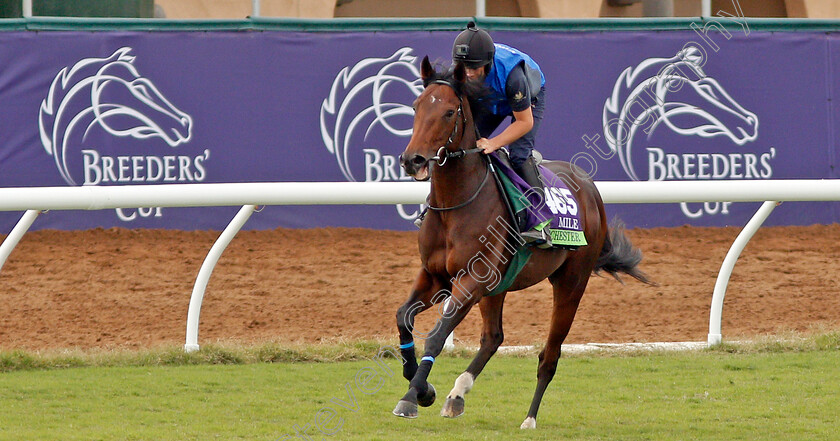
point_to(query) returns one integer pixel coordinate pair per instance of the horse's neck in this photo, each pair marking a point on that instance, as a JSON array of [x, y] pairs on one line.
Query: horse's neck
[[455, 176], [457, 181]]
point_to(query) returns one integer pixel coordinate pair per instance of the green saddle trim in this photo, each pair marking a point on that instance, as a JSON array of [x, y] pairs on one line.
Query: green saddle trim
[[559, 237], [523, 254], [513, 194]]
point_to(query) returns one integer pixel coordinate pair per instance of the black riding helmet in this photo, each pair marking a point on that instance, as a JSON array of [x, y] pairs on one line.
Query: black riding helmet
[[473, 47]]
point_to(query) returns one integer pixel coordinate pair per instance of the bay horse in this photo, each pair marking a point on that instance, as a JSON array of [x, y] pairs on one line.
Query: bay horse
[[467, 242]]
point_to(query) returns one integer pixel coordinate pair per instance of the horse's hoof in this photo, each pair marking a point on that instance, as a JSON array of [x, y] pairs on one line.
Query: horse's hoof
[[406, 409], [428, 399], [529, 423], [453, 407]]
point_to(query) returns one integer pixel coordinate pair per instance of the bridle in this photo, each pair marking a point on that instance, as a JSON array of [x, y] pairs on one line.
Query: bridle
[[444, 154]]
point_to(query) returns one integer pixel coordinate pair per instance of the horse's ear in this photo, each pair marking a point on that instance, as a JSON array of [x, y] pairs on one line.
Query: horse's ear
[[460, 73], [426, 70]]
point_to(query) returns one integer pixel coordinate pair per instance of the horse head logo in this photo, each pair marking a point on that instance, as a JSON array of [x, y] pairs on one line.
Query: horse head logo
[[359, 98], [108, 93], [677, 93]]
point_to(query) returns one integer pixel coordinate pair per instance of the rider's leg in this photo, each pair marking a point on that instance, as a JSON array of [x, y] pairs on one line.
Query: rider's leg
[[529, 172], [520, 150], [523, 163]]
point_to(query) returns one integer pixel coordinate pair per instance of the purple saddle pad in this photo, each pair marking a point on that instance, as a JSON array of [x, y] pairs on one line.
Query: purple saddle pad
[[557, 210]]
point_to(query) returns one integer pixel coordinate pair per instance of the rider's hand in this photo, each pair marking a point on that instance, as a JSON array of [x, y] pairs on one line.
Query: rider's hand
[[488, 146]]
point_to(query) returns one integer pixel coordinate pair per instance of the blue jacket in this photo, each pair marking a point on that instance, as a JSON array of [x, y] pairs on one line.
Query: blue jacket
[[505, 60]]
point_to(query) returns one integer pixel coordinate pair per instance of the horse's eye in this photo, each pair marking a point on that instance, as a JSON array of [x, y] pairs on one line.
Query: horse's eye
[[449, 114]]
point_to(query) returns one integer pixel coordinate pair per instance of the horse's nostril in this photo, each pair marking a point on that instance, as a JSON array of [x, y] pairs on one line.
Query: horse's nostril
[[415, 160], [412, 163]]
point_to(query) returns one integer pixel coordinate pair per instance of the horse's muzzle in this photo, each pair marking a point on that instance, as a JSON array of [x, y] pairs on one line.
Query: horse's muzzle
[[416, 166]]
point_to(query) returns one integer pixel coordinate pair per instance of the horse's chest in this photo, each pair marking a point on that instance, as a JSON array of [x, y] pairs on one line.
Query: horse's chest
[[441, 253], [447, 260], [435, 260]]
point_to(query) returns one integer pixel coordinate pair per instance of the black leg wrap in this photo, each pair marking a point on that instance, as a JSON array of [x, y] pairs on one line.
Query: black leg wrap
[[410, 366], [419, 380]]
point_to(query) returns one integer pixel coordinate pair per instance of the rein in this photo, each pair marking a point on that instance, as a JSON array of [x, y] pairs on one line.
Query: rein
[[471, 199], [446, 155]]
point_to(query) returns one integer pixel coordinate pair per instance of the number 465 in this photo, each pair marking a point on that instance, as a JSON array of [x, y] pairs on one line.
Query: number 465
[[560, 201]]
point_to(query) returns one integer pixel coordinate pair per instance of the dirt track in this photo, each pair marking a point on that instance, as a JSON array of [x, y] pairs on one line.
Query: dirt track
[[131, 288]]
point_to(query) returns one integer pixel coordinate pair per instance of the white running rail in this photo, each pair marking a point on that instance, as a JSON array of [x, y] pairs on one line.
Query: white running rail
[[34, 200]]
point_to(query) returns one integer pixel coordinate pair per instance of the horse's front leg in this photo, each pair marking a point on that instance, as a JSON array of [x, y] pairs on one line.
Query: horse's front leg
[[492, 337], [419, 388], [426, 292]]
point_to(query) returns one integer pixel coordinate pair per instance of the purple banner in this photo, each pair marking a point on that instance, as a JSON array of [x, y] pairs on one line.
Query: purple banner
[[128, 108]]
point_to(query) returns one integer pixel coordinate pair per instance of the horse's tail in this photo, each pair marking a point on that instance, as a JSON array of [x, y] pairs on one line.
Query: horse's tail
[[620, 256]]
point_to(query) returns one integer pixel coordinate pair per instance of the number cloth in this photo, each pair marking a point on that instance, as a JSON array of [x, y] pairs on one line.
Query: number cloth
[[558, 211]]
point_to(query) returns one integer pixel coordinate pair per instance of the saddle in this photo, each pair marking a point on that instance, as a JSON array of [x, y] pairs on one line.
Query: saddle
[[556, 211]]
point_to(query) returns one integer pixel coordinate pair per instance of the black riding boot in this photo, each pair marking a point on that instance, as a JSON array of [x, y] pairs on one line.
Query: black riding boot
[[530, 173]]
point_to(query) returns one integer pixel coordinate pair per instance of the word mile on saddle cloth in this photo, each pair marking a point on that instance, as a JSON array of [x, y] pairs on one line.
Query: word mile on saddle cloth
[[556, 211]]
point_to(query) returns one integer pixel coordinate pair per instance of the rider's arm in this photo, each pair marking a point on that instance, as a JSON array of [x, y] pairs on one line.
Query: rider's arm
[[522, 124], [519, 99]]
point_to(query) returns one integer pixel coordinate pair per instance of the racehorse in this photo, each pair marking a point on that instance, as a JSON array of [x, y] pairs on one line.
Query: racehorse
[[462, 259]]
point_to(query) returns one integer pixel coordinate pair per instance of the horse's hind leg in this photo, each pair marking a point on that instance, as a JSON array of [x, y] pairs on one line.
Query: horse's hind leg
[[566, 303], [492, 337]]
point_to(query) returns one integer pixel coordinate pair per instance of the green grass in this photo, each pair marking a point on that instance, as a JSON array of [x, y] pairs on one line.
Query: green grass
[[233, 353], [756, 392], [218, 353]]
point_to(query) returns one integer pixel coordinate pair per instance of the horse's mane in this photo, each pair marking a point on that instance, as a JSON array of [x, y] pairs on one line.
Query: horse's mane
[[474, 91], [66, 81]]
